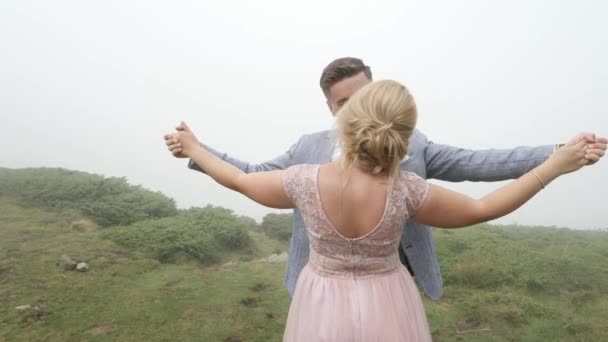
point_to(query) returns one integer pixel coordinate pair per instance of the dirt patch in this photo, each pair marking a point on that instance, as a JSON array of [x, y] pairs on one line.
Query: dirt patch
[[124, 254], [471, 325], [276, 258], [233, 339], [271, 316], [173, 284], [5, 270], [30, 315], [138, 298], [83, 225], [38, 285], [189, 313], [24, 232], [14, 253], [260, 287], [100, 330], [250, 302], [26, 235]]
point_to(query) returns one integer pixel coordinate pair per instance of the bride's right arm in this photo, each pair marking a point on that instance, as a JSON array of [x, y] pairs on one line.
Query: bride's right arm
[[444, 208]]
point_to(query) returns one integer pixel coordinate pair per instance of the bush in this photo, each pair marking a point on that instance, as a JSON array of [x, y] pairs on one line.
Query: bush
[[201, 234], [277, 226], [537, 260], [106, 200]]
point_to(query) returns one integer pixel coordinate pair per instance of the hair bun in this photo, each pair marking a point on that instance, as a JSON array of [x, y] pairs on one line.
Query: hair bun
[[377, 145], [376, 124]]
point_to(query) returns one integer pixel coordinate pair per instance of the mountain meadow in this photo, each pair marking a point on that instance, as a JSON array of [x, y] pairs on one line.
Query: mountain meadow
[[90, 258]]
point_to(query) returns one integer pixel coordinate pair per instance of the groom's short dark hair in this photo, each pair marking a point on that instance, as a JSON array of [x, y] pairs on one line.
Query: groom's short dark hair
[[340, 69]]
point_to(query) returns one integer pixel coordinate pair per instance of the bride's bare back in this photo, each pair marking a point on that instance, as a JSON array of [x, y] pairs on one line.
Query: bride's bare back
[[354, 209]]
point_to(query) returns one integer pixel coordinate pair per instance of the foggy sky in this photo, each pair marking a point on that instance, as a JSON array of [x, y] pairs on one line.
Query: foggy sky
[[93, 86]]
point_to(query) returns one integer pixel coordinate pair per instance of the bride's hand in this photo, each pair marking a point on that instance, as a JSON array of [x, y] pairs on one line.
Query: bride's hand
[[187, 140], [597, 146], [569, 158]]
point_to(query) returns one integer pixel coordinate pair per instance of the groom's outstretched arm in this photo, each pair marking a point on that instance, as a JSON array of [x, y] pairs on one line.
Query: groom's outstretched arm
[[455, 164], [281, 162]]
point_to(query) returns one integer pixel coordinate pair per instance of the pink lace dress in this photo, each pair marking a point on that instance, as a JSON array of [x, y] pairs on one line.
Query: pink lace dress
[[355, 289]]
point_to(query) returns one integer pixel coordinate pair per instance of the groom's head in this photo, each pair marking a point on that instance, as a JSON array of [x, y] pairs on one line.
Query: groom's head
[[341, 79]]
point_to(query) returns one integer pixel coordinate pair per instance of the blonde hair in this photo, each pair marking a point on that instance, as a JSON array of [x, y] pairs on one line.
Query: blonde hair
[[375, 126]]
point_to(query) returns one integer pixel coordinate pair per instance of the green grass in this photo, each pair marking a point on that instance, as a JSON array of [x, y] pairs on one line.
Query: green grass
[[501, 284], [518, 283], [126, 296]]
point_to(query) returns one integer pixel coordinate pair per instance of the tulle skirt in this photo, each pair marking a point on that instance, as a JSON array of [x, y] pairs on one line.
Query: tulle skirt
[[382, 307]]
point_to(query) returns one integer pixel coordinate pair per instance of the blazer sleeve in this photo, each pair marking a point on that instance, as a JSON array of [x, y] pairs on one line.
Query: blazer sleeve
[[456, 164], [280, 162]]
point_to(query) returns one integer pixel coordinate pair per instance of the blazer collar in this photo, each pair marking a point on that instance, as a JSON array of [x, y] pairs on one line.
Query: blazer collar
[[330, 144]]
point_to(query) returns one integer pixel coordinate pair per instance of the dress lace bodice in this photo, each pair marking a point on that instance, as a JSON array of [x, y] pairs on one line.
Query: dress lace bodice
[[375, 252]]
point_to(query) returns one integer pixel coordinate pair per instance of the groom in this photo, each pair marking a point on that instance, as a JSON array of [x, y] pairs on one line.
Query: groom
[[339, 80]]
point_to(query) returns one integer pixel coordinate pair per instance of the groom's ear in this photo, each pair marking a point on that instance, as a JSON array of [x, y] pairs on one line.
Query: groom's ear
[[330, 109]]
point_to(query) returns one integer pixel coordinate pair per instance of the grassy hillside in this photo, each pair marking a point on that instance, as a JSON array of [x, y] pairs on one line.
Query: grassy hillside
[[502, 284], [522, 283], [199, 275], [126, 296], [105, 200]]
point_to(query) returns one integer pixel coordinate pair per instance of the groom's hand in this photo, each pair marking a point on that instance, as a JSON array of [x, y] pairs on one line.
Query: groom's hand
[[174, 146], [596, 148]]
